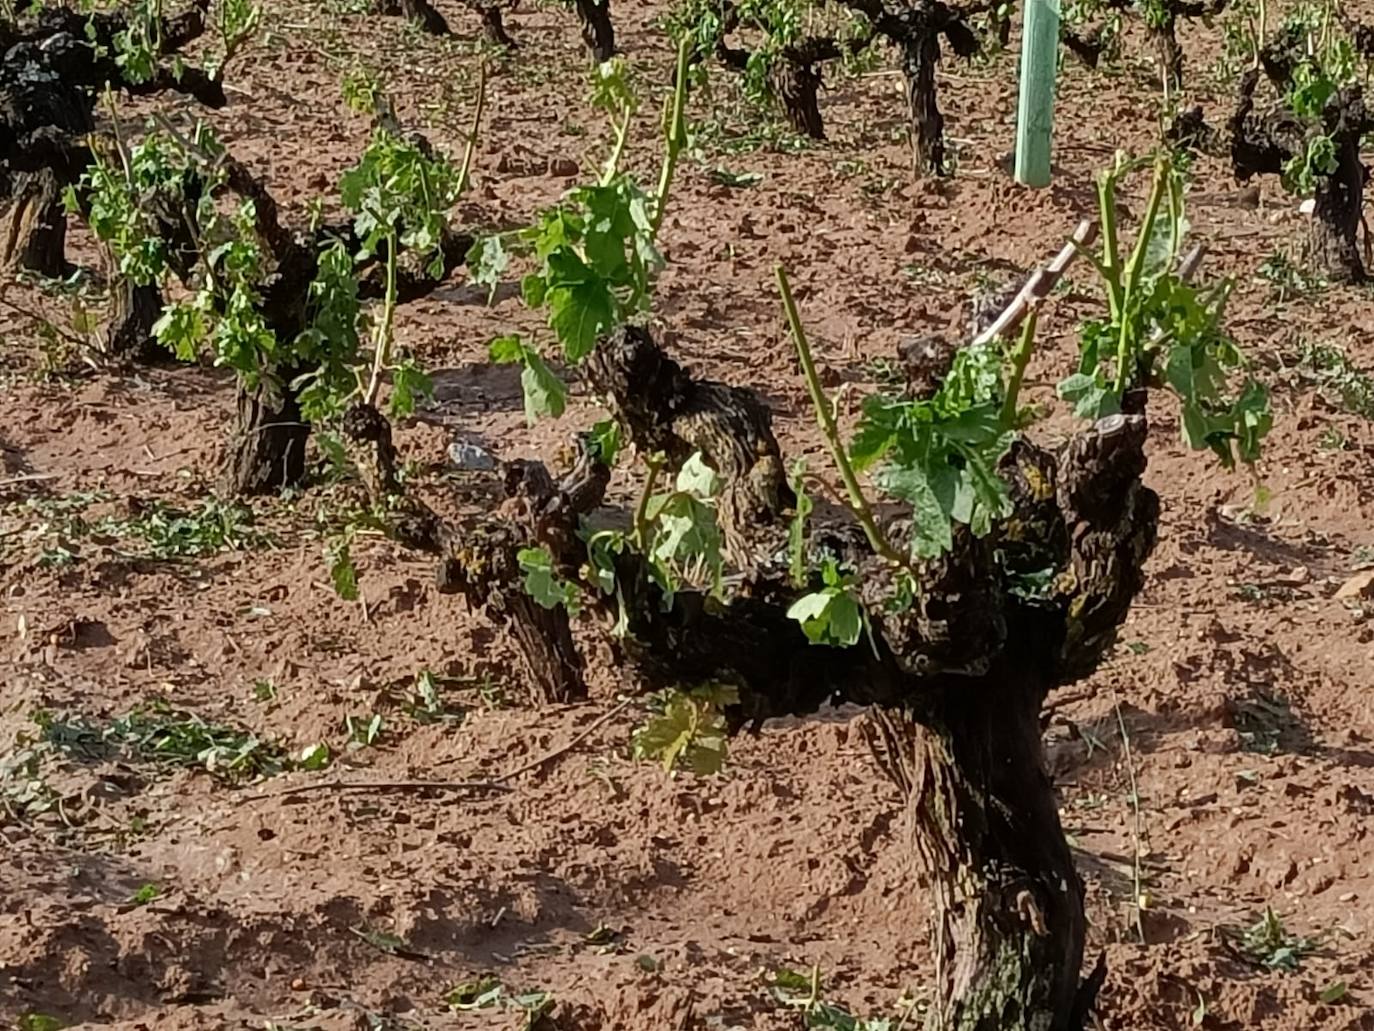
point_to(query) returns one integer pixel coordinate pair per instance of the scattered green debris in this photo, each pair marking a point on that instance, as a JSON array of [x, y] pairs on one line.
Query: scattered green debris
[[1288, 278], [160, 531], [146, 893], [364, 731], [159, 731], [1268, 944], [687, 727], [487, 992], [163, 733], [804, 991], [1339, 379], [1334, 992]]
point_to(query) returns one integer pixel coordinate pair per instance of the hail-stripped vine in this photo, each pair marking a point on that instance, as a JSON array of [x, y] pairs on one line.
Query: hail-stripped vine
[[939, 455]]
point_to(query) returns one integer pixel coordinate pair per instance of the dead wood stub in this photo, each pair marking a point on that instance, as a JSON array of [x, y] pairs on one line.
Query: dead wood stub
[[480, 559]]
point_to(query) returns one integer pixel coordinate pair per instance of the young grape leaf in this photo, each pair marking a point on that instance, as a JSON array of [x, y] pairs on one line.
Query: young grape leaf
[[343, 574], [696, 477], [1092, 397], [545, 394], [690, 731], [580, 314]]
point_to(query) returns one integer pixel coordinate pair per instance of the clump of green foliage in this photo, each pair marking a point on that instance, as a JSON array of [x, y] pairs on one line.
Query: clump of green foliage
[[595, 253]]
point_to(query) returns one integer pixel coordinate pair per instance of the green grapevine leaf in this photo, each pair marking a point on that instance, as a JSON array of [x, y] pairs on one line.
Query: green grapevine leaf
[[579, 315], [343, 574], [605, 441], [545, 394], [696, 477], [832, 615], [408, 383], [542, 582], [487, 261], [1091, 395]]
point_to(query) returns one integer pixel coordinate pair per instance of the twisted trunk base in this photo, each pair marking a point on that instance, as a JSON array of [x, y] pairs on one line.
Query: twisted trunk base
[[1008, 929], [481, 561], [797, 87], [919, 58], [597, 30], [134, 310], [421, 12]]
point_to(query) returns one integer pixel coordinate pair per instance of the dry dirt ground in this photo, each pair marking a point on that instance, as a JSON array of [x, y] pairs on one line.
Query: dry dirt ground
[[1241, 698]]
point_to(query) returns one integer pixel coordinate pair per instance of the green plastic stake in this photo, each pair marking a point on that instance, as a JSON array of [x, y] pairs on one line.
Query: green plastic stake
[[1035, 109]]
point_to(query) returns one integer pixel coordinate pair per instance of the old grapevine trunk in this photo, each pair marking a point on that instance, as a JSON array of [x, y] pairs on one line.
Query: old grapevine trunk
[[957, 673], [134, 310], [36, 225], [1338, 204], [797, 87], [1008, 928], [919, 60], [481, 560], [266, 452], [598, 32]]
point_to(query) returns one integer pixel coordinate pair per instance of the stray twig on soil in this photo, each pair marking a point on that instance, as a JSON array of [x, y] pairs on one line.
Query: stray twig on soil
[[339, 784], [577, 739], [28, 478], [1135, 831], [495, 784]]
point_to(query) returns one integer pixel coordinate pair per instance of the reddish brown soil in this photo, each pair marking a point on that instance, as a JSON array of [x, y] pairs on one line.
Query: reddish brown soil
[[796, 855]]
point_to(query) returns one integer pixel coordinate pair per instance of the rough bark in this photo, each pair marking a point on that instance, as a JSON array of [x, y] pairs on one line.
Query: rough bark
[[36, 225], [916, 29], [662, 408], [1009, 927], [1087, 47], [266, 449], [1265, 141], [598, 32], [1338, 204], [494, 25], [919, 60], [797, 88], [128, 333]]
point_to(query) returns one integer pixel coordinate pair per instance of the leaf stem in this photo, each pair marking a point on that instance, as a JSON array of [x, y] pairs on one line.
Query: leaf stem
[[826, 419], [381, 356], [1020, 358], [1128, 342], [622, 133], [676, 138], [470, 151], [655, 463], [1111, 255]]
